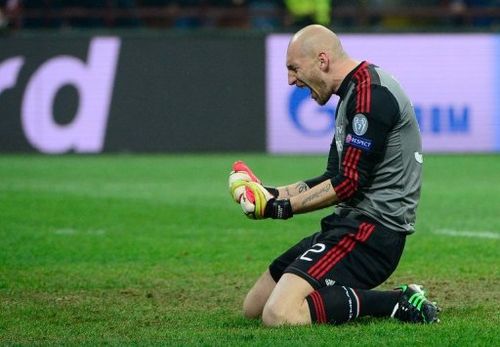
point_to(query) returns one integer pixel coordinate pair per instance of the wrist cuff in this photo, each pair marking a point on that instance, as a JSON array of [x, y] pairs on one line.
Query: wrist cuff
[[278, 209]]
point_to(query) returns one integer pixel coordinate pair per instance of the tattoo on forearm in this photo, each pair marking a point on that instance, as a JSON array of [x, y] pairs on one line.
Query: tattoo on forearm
[[301, 187], [287, 192], [316, 195]]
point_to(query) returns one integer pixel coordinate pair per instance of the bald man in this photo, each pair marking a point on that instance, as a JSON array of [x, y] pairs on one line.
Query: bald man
[[372, 176]]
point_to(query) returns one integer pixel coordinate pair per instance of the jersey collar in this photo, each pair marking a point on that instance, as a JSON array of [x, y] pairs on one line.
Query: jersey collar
[[344, 86]]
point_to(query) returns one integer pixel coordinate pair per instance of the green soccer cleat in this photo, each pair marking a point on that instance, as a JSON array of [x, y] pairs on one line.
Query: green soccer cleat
[[413, 306]]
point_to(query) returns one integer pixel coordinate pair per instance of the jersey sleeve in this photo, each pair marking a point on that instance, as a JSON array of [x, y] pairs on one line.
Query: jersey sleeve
[[366, 132], [332, 167]]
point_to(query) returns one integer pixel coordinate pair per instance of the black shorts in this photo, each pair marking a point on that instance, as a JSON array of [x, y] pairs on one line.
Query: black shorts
[[357, 253]]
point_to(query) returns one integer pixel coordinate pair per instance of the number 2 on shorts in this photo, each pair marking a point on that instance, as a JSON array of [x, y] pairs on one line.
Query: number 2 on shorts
[[316, 248]]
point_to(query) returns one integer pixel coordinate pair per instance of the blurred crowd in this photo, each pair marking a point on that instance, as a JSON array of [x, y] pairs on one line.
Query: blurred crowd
[[250, 14]]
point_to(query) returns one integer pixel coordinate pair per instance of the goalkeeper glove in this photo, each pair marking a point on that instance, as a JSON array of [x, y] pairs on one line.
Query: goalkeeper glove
[[240, 174], [258, 203]]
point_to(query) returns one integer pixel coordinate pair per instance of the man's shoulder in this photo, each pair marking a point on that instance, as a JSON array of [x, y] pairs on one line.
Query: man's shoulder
[[376, 101]]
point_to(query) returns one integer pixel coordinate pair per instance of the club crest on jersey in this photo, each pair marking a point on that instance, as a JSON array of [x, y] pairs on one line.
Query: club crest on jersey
[[359, 142], [359, 124]]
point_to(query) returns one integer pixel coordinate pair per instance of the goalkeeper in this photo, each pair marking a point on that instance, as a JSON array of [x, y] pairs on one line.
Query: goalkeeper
[[372, 176]]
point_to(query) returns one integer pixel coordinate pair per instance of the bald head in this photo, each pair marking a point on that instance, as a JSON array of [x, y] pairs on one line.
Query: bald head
[[315, 59], [314, 39]]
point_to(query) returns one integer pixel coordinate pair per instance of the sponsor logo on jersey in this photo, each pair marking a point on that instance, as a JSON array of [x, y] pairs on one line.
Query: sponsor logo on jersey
[[359, 124], [359, 142]]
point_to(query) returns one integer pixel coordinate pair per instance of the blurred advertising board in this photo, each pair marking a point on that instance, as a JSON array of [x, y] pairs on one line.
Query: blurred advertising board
[[453, 81], [133, 92]]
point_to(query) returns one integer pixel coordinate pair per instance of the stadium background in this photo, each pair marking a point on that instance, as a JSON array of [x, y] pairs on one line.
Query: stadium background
[[139, 243], [131, 76]]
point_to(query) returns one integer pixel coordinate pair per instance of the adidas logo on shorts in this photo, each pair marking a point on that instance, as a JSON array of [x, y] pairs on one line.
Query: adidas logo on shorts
[[329, 282]]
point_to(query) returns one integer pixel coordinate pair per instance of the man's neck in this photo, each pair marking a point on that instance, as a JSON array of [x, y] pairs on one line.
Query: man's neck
[[343, 68]]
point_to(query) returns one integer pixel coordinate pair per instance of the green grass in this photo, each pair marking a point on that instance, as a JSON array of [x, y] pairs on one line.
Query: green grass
[[151, 250]]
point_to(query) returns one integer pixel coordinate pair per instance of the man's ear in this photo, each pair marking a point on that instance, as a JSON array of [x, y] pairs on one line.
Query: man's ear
[[324, 61]]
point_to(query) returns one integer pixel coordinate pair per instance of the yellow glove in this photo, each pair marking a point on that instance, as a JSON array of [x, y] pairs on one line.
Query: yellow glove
[[254, 199], [240, 174]]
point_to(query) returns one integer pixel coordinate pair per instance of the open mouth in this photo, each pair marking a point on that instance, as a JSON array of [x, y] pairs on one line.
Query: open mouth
[[314, 96]]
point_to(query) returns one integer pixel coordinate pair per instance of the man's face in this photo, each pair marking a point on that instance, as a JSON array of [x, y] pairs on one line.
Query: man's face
[[304, 71]]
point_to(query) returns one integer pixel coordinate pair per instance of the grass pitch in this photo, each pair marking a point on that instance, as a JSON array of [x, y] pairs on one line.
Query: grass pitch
[[151, 250]]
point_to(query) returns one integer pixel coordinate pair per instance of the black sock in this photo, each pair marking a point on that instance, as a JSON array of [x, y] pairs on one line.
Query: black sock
[[334, 305], [339, 304], [377, 303]]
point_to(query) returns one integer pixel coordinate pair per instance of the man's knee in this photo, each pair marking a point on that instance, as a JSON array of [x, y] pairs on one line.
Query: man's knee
[[274, 315], [287, 304], [257, 296], [282, 313], [251, 309]]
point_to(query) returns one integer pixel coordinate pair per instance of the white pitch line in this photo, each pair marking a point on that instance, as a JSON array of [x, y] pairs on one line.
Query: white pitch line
[[66, 231], [466, 233]]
